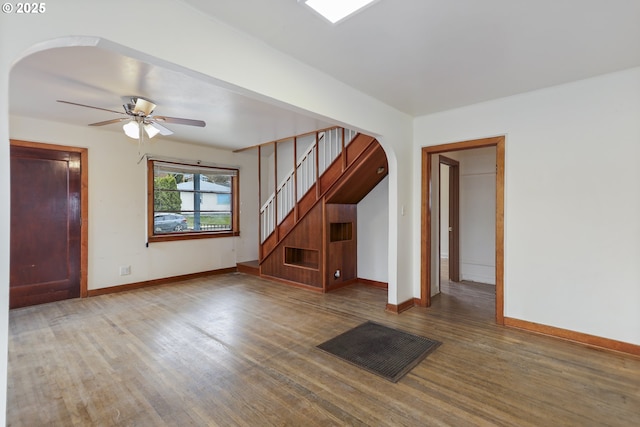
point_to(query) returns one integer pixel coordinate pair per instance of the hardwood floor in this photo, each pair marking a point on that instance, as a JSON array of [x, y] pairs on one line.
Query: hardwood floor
[[238, 350]]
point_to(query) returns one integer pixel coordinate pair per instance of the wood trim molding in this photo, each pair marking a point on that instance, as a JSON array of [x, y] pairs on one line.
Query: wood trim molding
[[464, 145], [156, 282], [46, 146], [500, 156], [425, 221], [291, 283], [262, 144], [373, 283], [248, 269], [425, 230], [397, 309], [578, 337], [260, 242], [84, 202], [340, 285]]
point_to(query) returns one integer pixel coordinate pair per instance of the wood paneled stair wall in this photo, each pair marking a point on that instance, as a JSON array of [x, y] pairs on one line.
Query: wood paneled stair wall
[[315, 245]]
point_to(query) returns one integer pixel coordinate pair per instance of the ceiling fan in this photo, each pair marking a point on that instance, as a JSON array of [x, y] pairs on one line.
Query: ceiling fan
[[139, 119]]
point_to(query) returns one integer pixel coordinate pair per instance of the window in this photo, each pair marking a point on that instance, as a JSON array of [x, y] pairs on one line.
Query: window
[[191, 201]]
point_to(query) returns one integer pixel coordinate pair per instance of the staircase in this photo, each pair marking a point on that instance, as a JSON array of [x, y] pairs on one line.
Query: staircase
[[313, 163], [308, 225]]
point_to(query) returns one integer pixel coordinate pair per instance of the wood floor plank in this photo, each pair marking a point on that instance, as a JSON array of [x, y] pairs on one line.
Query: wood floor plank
[[239, 350]]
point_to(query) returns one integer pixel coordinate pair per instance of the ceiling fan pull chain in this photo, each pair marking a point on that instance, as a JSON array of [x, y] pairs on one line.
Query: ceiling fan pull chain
[[140, 141]]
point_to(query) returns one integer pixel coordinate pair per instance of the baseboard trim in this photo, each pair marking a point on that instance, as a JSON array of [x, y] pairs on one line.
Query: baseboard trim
[[155, 282], [373, 283], [397, 309], [579, 337], [248, 269], [333, 287], [290, 283]]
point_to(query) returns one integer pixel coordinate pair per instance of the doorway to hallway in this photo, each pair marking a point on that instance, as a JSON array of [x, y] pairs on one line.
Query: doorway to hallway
[[431, 232]]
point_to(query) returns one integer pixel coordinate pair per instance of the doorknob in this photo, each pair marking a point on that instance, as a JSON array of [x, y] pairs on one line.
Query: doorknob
[[450, 228]]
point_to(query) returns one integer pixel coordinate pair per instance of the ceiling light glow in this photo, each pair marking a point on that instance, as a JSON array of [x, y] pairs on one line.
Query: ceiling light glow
[[336, 10], [131, 129], [151, 130]]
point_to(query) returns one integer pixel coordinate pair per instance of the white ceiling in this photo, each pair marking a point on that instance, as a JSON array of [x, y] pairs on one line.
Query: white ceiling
[[419, 56], [423, 56], [100, 78]]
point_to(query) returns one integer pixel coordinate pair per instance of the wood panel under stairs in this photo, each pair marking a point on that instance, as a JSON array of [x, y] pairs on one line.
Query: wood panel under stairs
[[249, 267], [315, 246]]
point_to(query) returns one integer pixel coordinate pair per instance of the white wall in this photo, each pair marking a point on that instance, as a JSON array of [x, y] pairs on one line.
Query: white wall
[[478, 215], [572, 200], [285, 160], [373, 234], [117, 206], [444, 211], [247, 245], [267, 171]]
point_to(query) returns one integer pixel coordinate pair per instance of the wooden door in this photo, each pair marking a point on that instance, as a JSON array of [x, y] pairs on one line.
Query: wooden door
[[45, 257], [454, 216]]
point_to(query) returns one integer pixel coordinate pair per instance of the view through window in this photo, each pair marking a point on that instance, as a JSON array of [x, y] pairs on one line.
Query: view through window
[[192, 201]]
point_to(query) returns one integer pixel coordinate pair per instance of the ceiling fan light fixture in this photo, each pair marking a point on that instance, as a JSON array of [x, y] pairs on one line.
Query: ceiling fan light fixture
[[151, 130], [336, 10], [143, 106], [140, 120], [131, 129]]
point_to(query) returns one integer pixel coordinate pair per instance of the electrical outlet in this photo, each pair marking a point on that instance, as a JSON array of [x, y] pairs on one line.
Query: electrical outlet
[[125, 270]]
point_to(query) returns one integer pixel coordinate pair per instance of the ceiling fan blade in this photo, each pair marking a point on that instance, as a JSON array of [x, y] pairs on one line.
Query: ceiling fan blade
[[108, 122], [89, 106], [178, 121], [163, 130], [143, 106]]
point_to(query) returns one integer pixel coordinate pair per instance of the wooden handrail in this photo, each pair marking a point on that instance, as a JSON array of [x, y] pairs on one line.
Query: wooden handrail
[[239, 150]]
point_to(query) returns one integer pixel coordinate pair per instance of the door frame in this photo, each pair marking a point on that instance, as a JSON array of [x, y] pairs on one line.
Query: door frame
[[426, 213], [84, 202], [454, 215]]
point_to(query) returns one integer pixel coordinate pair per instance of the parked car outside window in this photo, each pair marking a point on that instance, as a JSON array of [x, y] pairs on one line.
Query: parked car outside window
[[164, 222]]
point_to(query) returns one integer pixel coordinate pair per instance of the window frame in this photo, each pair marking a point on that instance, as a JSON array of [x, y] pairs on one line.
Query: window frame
[[191, 235]]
